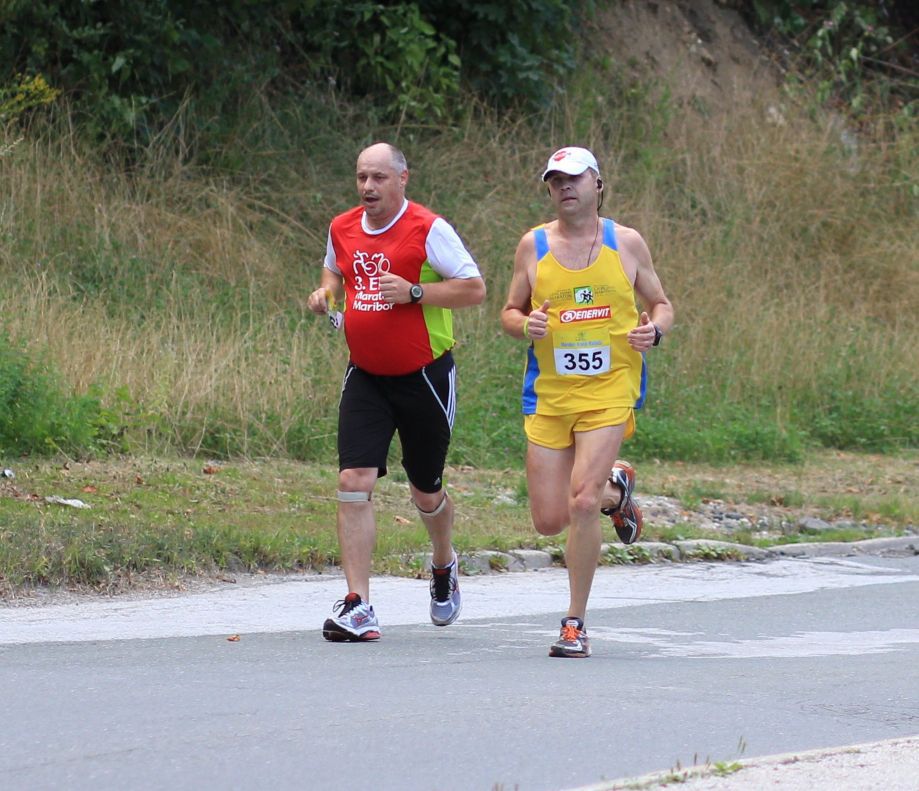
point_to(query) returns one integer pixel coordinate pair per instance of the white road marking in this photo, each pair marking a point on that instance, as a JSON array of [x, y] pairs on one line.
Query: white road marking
[[302, 604]]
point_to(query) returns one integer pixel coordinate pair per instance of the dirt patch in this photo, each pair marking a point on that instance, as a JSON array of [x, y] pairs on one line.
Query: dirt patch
[[703, 51]]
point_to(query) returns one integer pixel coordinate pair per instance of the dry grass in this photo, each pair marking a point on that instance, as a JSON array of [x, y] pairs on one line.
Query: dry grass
[[791, 260], [163, 520]]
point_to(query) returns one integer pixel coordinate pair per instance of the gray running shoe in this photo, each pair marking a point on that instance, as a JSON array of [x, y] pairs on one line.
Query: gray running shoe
[[572, 640], [446, 601], [355, 621], [626, 517]]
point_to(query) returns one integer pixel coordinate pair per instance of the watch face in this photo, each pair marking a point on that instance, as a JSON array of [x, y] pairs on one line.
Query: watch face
[[416, 292]]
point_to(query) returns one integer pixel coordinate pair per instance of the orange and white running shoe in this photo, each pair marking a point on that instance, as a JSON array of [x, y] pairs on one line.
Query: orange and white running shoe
[[626, 516], [572, 640]]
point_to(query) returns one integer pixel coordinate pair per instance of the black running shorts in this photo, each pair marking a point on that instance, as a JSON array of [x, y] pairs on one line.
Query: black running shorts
[[420, 406]]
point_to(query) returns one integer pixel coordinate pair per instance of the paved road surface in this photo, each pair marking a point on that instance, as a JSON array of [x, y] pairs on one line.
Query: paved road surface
[[692, 663]]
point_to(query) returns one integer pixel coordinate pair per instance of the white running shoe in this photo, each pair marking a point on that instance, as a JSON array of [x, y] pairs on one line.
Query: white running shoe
[[354, 622], [446, 601]]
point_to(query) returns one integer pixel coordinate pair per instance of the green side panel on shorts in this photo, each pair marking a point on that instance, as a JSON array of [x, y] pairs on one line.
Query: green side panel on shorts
[[439, 321]]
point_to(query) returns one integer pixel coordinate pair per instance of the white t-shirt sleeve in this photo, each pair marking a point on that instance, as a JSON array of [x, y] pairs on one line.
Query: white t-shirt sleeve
[[330, 263], [447, 253]]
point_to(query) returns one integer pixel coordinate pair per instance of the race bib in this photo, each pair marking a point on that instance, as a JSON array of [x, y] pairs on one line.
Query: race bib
[[581, 352]]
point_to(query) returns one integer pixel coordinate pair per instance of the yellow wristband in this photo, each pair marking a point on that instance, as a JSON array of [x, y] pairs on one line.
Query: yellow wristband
[[526, 327]]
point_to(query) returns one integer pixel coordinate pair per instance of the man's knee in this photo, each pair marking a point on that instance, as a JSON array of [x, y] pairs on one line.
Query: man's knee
[[353, 497], [585, 502], [547, 526], [430, 505], [355, 485]]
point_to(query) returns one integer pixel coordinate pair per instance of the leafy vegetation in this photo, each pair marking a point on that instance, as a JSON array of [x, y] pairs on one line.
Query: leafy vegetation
[[845, 45], [132, 68], [163, 218], [160, 306], [38, 415]]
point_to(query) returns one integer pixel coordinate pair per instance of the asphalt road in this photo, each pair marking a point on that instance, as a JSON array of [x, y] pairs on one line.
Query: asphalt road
[[692, 663]]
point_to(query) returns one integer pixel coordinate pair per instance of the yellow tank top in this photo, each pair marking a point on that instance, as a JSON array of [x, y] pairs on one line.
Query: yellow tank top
[[585, 362]]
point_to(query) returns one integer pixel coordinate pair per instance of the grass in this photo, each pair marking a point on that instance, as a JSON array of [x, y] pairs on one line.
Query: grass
[[153, 319], [166, 519], [175, 296]]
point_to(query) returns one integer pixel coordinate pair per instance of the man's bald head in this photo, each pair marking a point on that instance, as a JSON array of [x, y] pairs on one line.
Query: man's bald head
[[382, 174]]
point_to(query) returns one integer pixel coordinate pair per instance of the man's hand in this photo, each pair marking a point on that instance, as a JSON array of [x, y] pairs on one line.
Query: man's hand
[[642, 337], [536, 324], [395, 289], [318, 301]]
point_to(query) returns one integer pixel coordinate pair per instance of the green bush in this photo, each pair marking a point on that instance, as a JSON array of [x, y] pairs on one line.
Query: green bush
[[845, 44], [704, 430], [37, 416], [135, 67], [850, 420], [190, 278]]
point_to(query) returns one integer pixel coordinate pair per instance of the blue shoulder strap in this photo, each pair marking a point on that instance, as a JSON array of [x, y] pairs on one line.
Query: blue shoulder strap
[[542, 243], [609, 233]]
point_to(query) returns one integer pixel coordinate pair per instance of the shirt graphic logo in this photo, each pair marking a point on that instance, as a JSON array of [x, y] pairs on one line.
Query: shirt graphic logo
[[584, 314], [367, 270], [584, 295]]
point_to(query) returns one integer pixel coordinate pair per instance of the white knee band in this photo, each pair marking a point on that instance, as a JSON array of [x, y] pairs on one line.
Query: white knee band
[[353, 497], [443, 504]]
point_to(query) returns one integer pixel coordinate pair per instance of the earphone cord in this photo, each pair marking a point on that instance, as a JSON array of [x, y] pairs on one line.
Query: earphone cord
[[596, 234]]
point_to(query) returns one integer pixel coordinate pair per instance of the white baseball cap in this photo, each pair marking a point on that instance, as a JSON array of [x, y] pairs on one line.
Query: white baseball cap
[[571, 160]]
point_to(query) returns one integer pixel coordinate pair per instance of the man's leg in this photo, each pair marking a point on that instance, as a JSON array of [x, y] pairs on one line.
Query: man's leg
[[549, 475], [357, 531], [548, 483], [595, 452], [425, 409], [436, 511]]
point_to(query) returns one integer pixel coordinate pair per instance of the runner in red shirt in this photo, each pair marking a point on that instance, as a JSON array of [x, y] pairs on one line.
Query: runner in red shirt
[[399, 269]]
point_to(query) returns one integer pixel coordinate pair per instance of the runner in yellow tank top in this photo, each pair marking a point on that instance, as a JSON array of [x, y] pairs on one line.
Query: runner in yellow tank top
[[572, 295], [584, 362]]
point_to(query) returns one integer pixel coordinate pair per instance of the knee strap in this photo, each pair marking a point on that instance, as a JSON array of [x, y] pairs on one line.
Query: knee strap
[[443, 504], [353, 497]]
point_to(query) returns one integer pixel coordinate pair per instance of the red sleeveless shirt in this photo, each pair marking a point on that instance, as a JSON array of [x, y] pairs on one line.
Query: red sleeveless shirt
[[383, 338]]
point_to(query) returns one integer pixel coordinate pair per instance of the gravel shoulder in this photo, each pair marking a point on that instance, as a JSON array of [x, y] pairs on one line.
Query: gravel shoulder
[[891, 765]]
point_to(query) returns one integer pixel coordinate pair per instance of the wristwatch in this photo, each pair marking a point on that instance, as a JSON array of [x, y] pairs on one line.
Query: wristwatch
[[657, 336], [416, 292]]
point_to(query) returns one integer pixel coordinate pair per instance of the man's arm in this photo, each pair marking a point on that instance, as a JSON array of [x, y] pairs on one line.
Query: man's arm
[[657, 308], [517, 318], [331, 284], [461, 285], [454, 292]]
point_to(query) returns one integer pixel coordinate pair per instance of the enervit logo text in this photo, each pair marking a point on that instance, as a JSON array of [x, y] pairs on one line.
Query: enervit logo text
[[584, 314]]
